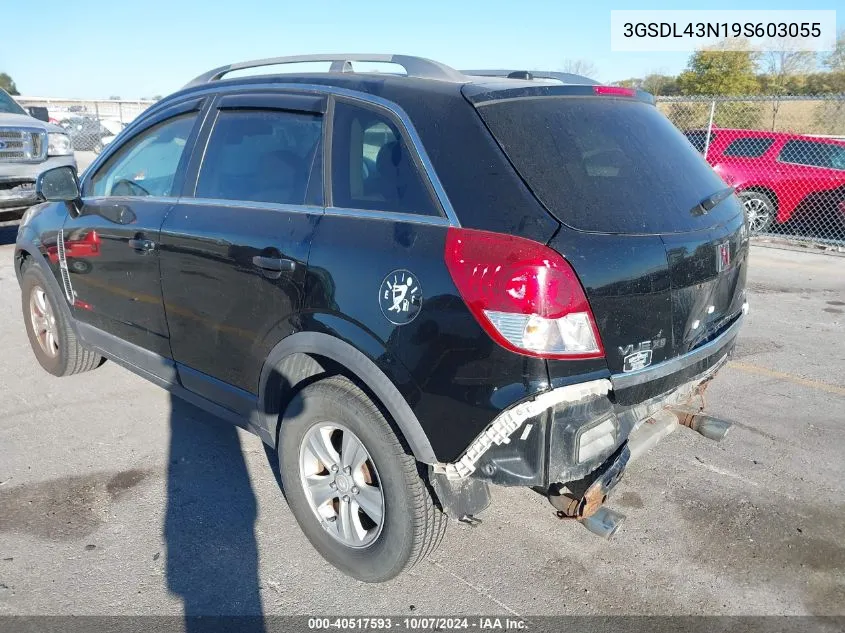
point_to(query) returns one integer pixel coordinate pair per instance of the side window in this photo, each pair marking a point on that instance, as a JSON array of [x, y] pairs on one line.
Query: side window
[[261, 156], [372, 167], [813, 154], [699, 139], [146, 165], [748, 147]]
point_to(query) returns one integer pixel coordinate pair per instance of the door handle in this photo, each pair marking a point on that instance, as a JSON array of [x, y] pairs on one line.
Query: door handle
[[274, 264], [142, 245]]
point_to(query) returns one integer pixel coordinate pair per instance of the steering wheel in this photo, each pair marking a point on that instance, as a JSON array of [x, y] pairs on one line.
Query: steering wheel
[[132, 187]]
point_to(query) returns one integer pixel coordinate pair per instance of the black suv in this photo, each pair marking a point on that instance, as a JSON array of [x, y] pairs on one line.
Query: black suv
[[411, 285]]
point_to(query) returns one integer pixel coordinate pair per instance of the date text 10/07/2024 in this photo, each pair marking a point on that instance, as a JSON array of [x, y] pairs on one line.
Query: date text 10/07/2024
[[418, 623]]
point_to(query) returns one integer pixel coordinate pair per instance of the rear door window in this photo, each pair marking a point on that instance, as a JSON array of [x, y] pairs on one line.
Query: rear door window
[[751, 147], [261, 156], [813, 154], [606, 164], [373, 167]]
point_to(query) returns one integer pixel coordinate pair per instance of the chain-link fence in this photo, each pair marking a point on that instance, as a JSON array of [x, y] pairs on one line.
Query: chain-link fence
[[91, 124], [785, 155]]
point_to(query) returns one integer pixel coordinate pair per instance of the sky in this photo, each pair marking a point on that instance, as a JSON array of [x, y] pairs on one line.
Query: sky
[[141, 48]]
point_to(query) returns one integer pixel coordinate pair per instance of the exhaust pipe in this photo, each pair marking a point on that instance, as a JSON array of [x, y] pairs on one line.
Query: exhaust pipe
[[711, 428], [604, 522], [708, 426]]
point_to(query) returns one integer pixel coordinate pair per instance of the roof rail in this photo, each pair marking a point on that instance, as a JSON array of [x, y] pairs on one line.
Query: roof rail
[[564, 78], [414, 66]]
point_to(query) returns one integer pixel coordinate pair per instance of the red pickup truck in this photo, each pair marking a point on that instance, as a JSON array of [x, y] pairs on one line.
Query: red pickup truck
[[779, 176]]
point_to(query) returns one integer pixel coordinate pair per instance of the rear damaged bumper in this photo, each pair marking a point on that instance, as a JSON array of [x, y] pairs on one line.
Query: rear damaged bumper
[[573, 432]]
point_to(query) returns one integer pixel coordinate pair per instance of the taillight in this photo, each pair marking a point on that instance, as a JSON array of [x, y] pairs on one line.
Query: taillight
[[524, 294], [614, 91], [93, 239]]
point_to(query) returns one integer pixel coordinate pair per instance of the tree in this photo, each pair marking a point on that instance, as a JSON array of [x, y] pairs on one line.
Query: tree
[[580, 67], [8, 85], [720, 71], [832, 82], [660, 84], [836, 60], [633, 82], [657, 84], [785, 72]]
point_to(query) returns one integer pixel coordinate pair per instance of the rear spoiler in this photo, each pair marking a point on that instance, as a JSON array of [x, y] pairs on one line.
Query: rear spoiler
[[479, 93], [564, 78]]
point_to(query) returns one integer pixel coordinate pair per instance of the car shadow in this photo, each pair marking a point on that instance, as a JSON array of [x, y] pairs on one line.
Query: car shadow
[[209, 527]]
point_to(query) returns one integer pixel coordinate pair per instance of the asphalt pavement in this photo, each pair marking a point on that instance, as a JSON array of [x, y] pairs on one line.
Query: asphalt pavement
[[117, 499]]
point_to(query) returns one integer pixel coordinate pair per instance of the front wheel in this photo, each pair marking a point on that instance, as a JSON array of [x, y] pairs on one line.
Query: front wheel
[[50, 335], [357, 495], [759, 210]]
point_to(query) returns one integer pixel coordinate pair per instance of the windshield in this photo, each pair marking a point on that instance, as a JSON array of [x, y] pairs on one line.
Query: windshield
[[606, 165], [9, 105]]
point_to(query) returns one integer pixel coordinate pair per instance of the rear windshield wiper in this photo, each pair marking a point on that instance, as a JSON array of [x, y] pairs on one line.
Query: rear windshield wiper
[[703, 207]]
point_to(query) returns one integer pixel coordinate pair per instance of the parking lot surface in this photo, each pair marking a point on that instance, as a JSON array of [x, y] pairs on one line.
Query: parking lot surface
[[116, 499]]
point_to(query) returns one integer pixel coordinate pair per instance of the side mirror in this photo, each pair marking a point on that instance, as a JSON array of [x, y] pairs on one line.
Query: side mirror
[[39, 112], [58, 185]]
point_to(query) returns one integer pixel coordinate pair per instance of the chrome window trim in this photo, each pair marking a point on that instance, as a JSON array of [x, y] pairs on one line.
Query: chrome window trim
[[249, 204], [392, 216], [394, 108], [136, 199]]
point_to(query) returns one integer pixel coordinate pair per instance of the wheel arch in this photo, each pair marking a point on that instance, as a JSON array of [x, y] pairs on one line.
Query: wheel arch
[[303, 357], [26, 250]]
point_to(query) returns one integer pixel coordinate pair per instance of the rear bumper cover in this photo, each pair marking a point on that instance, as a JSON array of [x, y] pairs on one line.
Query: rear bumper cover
[[536, 443]]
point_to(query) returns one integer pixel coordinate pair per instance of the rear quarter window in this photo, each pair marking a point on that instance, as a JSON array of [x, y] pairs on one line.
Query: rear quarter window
[[813, 154]]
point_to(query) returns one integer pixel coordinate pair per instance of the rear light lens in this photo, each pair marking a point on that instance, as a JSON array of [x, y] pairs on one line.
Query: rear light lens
[[524, 294], [614, 91]]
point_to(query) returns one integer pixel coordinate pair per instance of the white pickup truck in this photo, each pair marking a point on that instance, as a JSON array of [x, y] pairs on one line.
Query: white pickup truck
[[28, 147]]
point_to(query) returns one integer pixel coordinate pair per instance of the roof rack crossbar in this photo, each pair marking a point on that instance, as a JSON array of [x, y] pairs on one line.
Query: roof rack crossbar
[[565, 78], [414, 66]]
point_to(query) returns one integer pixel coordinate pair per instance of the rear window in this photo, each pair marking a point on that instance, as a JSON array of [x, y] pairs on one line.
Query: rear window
[[748, 147], [606, 165], [813, 154]]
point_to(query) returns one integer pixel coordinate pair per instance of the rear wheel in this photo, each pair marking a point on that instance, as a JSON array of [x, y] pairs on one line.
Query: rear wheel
[[760, 211], [358, 496], [52, 339]]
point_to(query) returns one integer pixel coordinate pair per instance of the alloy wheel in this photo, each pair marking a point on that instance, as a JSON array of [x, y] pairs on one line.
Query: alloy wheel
[[341, 484], [43, 321], [758, 213]]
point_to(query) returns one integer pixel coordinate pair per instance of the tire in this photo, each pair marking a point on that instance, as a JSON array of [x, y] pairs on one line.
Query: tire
[[411, 525], [760, 211], [79, 266], [56, 347]]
